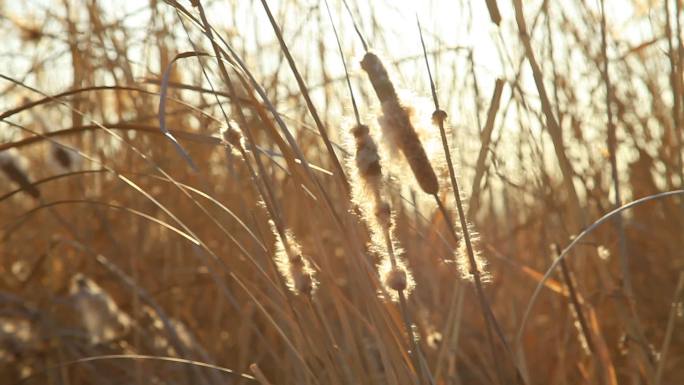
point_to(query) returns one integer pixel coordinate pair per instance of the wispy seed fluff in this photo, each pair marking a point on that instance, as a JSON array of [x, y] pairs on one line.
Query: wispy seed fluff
[[396, 279], [377, 212], [396, 124], [392, 269], [367, 161], [232, 137], [292, 264], [463, 260], [100, 315]]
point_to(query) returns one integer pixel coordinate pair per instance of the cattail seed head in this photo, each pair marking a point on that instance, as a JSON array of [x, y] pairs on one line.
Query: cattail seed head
[[395, 276], [367, 158], [292, 264], [100, 315], [379, 77], [10, 164], [464, 263], [383, 214], [232, 136], [62, 157], [303, 283], [397, 126], [396, 279], [439, 116], [377, 213]]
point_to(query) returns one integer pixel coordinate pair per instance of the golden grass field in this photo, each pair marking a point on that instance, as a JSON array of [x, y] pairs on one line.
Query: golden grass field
[[341, 192]]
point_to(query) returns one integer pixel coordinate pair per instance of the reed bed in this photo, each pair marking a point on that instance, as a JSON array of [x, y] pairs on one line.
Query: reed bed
[[341, 192]]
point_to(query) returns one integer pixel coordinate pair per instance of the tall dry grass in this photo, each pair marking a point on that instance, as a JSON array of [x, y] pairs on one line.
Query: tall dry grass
[[201, 192]]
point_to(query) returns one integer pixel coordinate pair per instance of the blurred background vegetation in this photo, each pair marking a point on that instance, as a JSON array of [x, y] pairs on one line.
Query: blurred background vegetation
[[118, 242]]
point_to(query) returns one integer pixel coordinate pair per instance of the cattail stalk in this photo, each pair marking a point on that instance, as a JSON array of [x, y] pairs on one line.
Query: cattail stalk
[[370, 172], [574, 301], [305, 93], [393, 274], [612, 151], [669, 329], [291, 263], [552, 125], [438, 118], [377, 214]]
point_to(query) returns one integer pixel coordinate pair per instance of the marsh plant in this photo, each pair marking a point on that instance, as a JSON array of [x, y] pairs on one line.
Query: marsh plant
[[341, 192]]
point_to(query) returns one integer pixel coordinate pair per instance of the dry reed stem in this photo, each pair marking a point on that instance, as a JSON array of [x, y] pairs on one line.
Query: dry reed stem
[[552, 125], [494, 13], [439, 117], [522, 201], [305, 93], [258, 374], [612, 150], [585, 334], [675, 312], [486, 137]]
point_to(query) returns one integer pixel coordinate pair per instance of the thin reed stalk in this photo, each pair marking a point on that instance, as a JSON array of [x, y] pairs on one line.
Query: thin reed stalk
[[305, 93], [490, 321], [612, 151]]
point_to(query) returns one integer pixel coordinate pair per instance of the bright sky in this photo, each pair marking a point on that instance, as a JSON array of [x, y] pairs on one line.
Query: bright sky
[[446, 23]]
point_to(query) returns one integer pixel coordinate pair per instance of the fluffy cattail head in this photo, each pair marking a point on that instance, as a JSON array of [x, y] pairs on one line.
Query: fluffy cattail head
[[292, 264], [232, 136], [367, 158], [395, 276], [397, 126], [377, 74], [464, 263], [396, 279], [10, 164], [303, 283], [383, 214], [302, 280], [100, 315]]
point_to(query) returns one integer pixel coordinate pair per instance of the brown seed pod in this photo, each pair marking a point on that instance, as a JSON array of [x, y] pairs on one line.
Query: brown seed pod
[[438, 117], [396, 279], [367, 158], [62, 157], [232, 136], [9, 164], [397, 126], [378, 77]]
